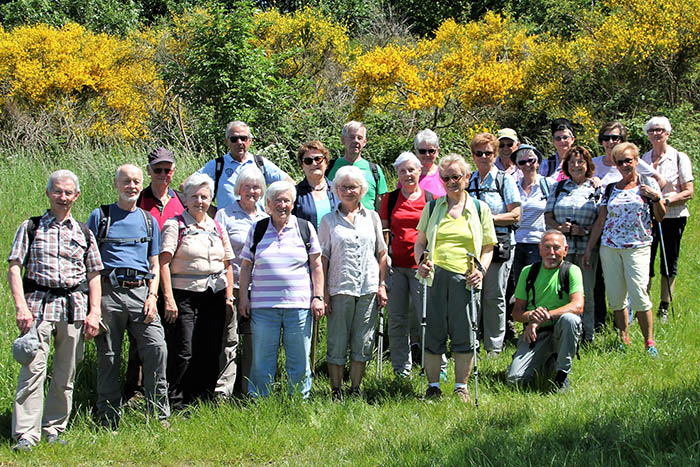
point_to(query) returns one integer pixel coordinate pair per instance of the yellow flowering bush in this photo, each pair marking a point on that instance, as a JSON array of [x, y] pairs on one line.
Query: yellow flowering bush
[[107, 81]]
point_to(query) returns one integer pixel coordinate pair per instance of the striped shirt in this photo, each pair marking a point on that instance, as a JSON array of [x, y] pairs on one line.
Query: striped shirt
[[57, 260], [281, 277], [532, 224]]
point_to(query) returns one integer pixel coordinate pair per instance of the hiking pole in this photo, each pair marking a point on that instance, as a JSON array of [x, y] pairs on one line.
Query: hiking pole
[[314, 341], [665, 260], [422, 325], [380, 342], [472, 318]]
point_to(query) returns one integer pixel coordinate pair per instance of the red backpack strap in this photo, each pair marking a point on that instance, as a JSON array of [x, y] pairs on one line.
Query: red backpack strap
[[219, 230], [181, 227]]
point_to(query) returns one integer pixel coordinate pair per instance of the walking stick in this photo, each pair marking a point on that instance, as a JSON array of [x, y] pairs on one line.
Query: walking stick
[[422, 326], [380, 343], [664, 258], [472, 318], [314, 341]]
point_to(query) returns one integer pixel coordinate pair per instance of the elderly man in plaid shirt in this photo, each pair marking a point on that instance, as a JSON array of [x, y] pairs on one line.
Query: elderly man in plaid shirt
[[59, 295]]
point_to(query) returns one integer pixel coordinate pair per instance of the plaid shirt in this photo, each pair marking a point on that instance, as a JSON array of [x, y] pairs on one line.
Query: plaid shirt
[[57, 260], [578, 204]]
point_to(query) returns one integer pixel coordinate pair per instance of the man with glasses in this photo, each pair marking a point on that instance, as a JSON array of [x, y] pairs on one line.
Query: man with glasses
[[225, 169], [508, 143]]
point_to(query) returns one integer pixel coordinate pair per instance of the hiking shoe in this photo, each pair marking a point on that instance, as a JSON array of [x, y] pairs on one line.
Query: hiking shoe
[[355, 392], [662, 315], [23, 445], [433, 392], [463, 394], [562, 382], [54, 439], [337, 394], [651, 350]]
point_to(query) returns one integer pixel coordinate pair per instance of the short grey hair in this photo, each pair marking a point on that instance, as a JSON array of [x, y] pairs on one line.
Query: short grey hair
[[62, 174], [249, 174], [555, 233], [197, 180], [278, 187], [427, 136], [121, 168], [353, 125], [235, 124], [451, 159], [662, 122], [353, 173], [404, 157]]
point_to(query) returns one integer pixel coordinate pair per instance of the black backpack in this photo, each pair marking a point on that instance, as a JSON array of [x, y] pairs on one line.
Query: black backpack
[[106, 221], [372, 168], [431, 207], [532, 276], [642, 179], [219, 169], [33, 225], [394, 197], [261, 227]]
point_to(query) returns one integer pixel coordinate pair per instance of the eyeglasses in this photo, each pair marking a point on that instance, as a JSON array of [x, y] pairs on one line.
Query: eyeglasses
[[427, 151], [350, 187], [454, 178], [241, 138], [506, 145], [655, 130], [483, 153], [613, 138], [562, 138], [311, 160], [162, 170], [622, 162], [527, 162]]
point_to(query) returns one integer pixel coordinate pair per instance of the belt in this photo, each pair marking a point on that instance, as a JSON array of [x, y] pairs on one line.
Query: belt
[[31, 285], [127, 284]]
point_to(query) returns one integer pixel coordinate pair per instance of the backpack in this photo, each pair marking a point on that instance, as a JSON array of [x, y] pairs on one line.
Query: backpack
[[500, 182], [182, 231], [261, 227], [106, 221], [544, 187], [532, 276], [642, 179], [551, 165], [431, 207], [32, 227], [560, 189], [219, 169], [394, 197]]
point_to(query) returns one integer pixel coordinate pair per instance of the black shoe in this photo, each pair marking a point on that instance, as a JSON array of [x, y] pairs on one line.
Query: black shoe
[[54, 439], [337, 394], [355, 392], [562, 382], [433, 392], [662, 315]]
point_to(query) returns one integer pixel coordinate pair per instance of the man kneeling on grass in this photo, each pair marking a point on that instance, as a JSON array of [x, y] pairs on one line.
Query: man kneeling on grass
[[550, 303]]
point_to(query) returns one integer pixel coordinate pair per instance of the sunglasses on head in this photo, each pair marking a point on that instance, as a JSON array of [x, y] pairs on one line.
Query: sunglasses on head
[[241, 138], [527, 162], [612, 138], [161, 170], [621, 162], [454, 178], [427, 151], [311, 160], [483, 153]]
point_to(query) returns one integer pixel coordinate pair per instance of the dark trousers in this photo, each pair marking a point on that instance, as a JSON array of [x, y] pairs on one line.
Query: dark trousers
[[195, 344]]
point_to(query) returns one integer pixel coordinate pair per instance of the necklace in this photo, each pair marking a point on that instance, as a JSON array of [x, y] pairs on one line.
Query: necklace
[[320, 187]]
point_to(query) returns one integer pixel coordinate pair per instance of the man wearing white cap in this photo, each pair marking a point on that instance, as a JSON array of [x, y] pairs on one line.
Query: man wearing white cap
[[508, 143]]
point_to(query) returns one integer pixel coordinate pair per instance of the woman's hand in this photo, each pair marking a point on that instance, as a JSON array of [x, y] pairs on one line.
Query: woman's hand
[[649, 192], [474, 278], [425, 268], [244, 304], [317, 307], [170, 310]]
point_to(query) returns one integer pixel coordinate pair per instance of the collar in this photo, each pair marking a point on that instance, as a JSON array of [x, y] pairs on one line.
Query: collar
[[189, 220], [236, 207], [48, 219], [248, 157]]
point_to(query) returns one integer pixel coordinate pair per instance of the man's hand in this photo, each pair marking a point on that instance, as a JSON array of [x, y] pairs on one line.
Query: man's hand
[[91, 326], [531, 332], [150, 309], [24, 318], [539, 315]]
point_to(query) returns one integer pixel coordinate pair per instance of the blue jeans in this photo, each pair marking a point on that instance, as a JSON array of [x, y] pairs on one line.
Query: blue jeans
[[295, 325]]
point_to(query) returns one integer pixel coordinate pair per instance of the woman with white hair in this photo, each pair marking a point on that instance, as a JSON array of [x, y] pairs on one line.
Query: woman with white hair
[[427, 147], [236, 220], [282, 261], [676, 169], [197, 284], [400, 212], [354, 265]]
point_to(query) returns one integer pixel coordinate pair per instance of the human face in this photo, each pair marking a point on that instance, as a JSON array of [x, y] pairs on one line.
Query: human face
[[318, 163], [577, 168], [198, 201], [349, 192], [129, 184], [527, 163], [611, 141], [454, 180], [409, 174], [161, 173], [250, 192], [553, 250], [238, 142], [280, 207], [484, 156], [62, 196], [427, 153], [354, 141], [563, 140], [657, 135], [506, 146], [626, 164]]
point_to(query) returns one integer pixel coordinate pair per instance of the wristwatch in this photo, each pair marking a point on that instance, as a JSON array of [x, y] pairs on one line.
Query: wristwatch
[[229, 299], [317, 297]]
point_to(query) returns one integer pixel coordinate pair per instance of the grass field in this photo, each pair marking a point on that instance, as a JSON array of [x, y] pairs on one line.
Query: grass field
[[625, 408]]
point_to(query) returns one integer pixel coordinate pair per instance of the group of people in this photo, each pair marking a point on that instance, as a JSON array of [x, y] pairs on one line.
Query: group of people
[[208, 293]]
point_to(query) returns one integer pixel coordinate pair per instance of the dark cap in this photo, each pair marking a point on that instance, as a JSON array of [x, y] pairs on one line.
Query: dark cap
[[160, 155], [524, 147], [560, 124]]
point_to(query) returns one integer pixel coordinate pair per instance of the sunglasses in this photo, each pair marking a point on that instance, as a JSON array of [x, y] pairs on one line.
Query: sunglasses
[[483, 153], [241, 138], [161, 171], [427, 151], [312, 160], [454, 178], [562, 138], [622, 162], [505, 145], [612, 138], [527, 162]]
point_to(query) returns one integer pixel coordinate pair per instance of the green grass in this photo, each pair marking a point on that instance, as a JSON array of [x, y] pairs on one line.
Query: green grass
[[625, 409]]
